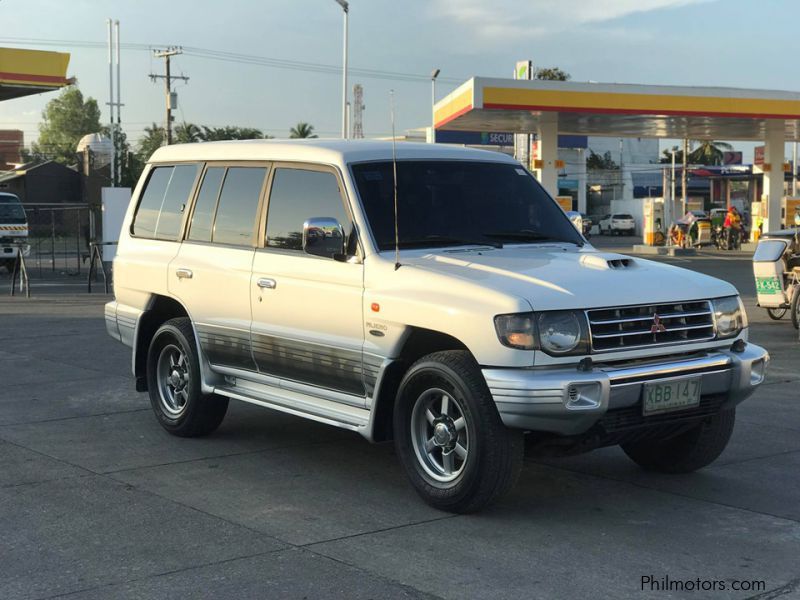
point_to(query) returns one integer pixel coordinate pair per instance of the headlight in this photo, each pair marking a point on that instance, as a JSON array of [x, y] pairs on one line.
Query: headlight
[[516, 331], [560, 332], [729, 316]]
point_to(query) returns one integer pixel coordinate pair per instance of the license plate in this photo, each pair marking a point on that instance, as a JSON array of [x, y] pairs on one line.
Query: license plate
[[768, 285], [671, 395]]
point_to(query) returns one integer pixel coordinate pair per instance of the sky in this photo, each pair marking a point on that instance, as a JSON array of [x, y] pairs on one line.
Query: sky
[[738, 43]]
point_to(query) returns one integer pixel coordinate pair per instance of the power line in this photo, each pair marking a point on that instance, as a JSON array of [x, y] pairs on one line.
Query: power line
[[251, 59]]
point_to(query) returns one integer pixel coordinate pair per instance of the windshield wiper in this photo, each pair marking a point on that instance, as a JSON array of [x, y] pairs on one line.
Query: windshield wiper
[[444, 240], [528, 235]]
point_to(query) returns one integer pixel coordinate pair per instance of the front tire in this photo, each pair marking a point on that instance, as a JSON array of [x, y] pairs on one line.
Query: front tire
[[448, 434], [687, 452], [173, 382]]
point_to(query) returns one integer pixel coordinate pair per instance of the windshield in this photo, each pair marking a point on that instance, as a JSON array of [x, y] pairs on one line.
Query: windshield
[[11, 211], [449, 203]]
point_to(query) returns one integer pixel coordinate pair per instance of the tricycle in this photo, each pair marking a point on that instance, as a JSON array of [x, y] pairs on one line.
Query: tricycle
[[776, 267]]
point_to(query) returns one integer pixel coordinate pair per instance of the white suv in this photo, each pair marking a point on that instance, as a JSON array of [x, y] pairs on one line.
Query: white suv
[[617, 224], [441, 299]]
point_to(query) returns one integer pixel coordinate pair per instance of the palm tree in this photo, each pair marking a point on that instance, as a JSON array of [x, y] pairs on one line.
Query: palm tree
[[187, 133], [154, 137], [709, 152], [302, 130]]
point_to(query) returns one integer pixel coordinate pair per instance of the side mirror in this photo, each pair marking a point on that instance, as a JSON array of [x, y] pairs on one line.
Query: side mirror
[[576, 219], [323, 236]]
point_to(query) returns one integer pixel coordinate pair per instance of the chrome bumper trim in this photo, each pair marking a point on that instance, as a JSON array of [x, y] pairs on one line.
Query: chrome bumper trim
[[540, 399]]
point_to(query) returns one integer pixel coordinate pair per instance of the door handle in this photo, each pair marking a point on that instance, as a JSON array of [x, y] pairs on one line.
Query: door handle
[[265, 283], [184, 273]]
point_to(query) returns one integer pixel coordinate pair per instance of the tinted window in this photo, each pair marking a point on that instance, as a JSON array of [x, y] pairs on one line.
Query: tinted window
[[206, 205], [164, 198], [238, 205], [623, 216], [298, 195], [175, 200], [444, 203]]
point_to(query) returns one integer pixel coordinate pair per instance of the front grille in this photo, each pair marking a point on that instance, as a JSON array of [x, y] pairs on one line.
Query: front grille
[[626, 327], [630, 417]]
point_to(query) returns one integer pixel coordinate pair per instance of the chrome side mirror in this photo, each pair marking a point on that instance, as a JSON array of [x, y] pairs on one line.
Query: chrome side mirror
[[576, 219], [323, 236]]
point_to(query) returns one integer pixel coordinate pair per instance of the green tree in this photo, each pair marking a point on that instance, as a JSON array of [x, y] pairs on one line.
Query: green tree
[[551, 74], [667, 155], [604, 162], [154, 137], [187, 133], [302, 130], [129, 165], [65, 120], [709, 152], [229, 132]]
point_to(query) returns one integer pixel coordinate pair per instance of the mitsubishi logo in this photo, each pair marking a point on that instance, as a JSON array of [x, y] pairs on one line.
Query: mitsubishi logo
[[658, 326]]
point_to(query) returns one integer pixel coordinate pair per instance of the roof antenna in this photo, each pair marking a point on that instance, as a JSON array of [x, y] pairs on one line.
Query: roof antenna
[[394, 176]]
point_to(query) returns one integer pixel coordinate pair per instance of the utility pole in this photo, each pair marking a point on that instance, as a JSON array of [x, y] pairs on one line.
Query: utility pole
[[111, 102], [168, 77]]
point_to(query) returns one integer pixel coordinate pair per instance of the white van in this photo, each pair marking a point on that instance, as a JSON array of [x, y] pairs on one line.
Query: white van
[[13, 230]]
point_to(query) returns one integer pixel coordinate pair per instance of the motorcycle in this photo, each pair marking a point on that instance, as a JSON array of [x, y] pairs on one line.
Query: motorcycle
[[727, 238]]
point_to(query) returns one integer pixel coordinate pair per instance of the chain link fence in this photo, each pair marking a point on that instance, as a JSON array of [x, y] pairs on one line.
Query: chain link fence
[[59, 238]]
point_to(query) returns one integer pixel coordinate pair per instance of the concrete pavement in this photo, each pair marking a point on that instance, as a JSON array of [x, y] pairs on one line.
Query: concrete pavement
[[96, 501]]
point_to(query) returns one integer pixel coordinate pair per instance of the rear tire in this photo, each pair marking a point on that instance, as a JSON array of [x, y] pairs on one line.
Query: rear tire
[[455, 450], [173, 382], [776, 314], [687, 452]]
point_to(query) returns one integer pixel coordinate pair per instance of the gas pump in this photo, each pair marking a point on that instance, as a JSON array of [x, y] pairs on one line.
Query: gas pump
[[653, 212]]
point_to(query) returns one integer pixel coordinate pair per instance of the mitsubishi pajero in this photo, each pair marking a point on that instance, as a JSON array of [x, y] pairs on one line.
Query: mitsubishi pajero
[[431, 295]]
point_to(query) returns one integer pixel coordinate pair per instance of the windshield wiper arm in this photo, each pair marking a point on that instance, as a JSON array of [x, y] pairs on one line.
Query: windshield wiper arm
[[528, 235]]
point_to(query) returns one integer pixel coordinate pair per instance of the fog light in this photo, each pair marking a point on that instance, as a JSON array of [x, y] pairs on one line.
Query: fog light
[[757, 371], [583, 396]]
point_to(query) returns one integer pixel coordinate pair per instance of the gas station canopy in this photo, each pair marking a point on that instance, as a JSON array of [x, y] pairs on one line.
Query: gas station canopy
[[550, 108], [26, 72], [618, 110]]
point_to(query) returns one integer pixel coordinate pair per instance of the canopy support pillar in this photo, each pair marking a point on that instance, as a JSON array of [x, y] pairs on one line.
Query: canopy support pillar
[[547, 174], [773, 175]]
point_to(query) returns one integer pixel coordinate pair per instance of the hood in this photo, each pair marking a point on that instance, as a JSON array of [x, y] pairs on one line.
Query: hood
[[558, 277]]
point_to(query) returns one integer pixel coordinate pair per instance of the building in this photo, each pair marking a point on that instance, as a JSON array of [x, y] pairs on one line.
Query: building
[[12, 141]]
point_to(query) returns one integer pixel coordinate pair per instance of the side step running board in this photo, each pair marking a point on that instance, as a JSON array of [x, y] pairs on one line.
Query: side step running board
[[294, 403]]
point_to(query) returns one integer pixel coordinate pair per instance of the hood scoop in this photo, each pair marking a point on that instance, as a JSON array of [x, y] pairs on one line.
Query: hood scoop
[[607, 261]]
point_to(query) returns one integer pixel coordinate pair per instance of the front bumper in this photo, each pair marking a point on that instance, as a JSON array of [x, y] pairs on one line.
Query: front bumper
[[566, 401]]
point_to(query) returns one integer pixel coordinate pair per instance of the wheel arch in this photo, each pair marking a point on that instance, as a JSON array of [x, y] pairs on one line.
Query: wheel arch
[[418, 343], [160, 309]]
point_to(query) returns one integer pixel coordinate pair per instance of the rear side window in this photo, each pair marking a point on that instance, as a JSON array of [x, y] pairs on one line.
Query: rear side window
[[237, 209], [298, 195], [163, 201]]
